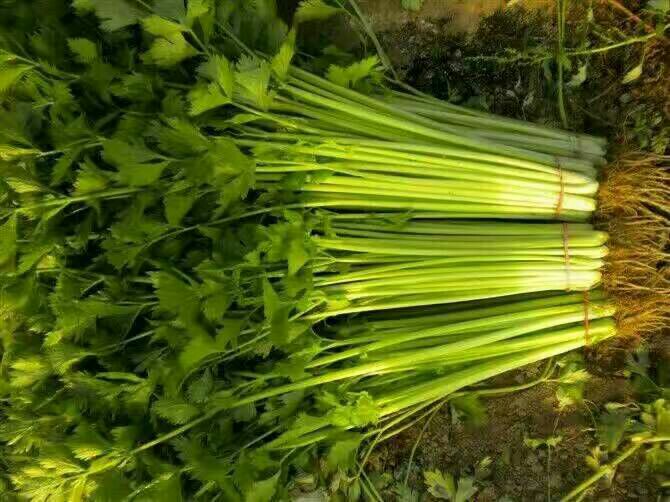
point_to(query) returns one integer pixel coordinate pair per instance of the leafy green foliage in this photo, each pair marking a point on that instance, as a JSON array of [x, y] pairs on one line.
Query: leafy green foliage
[[8, 244], [468, 409], [206, 97], [352, 75], [218, 70], [611, 429], [548, 442], [342, 454], [633, 74], [137, 165], [281, 62], [160, 27], [161, 319], [111, 309], [128, 305], [169, 51], [177, 206], [83, 49], [660, 5], [175, 411], [253, 81], [638, 429], [312, 10], [113, 15], [571, 378], [413, 5], [262, 491], [443, 486], [9, 77]]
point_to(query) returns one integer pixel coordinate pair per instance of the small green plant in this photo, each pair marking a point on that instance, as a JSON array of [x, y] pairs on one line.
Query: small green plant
[[548, 443], [445, 486], [571, 377], [640, 429], [412, 5]]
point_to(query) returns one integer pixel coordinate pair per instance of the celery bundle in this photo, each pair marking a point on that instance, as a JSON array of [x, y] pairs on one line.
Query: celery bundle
[[393, 369], [367, 174], [216, 274], [343, 149], [500, 129], [424, 263]]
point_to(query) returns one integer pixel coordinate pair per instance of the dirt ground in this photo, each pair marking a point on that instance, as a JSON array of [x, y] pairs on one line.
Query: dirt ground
[[517, 471], [463, 15]]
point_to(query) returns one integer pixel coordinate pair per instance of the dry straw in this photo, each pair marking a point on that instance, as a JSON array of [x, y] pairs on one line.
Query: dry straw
[[634, 208]]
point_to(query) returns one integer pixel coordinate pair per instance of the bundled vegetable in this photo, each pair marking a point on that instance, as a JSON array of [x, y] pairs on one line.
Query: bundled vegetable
[[235, 426], [423, 263], [368, 174], [500, 129], [215, 275], [343, 149]]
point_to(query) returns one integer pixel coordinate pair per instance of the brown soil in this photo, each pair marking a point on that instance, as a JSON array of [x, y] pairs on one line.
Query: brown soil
[[507, 65], [464, 15], [518, 471]]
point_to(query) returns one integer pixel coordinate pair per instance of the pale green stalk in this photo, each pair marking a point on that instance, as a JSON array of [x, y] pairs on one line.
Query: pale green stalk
[[457, 328], [446, 385]]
